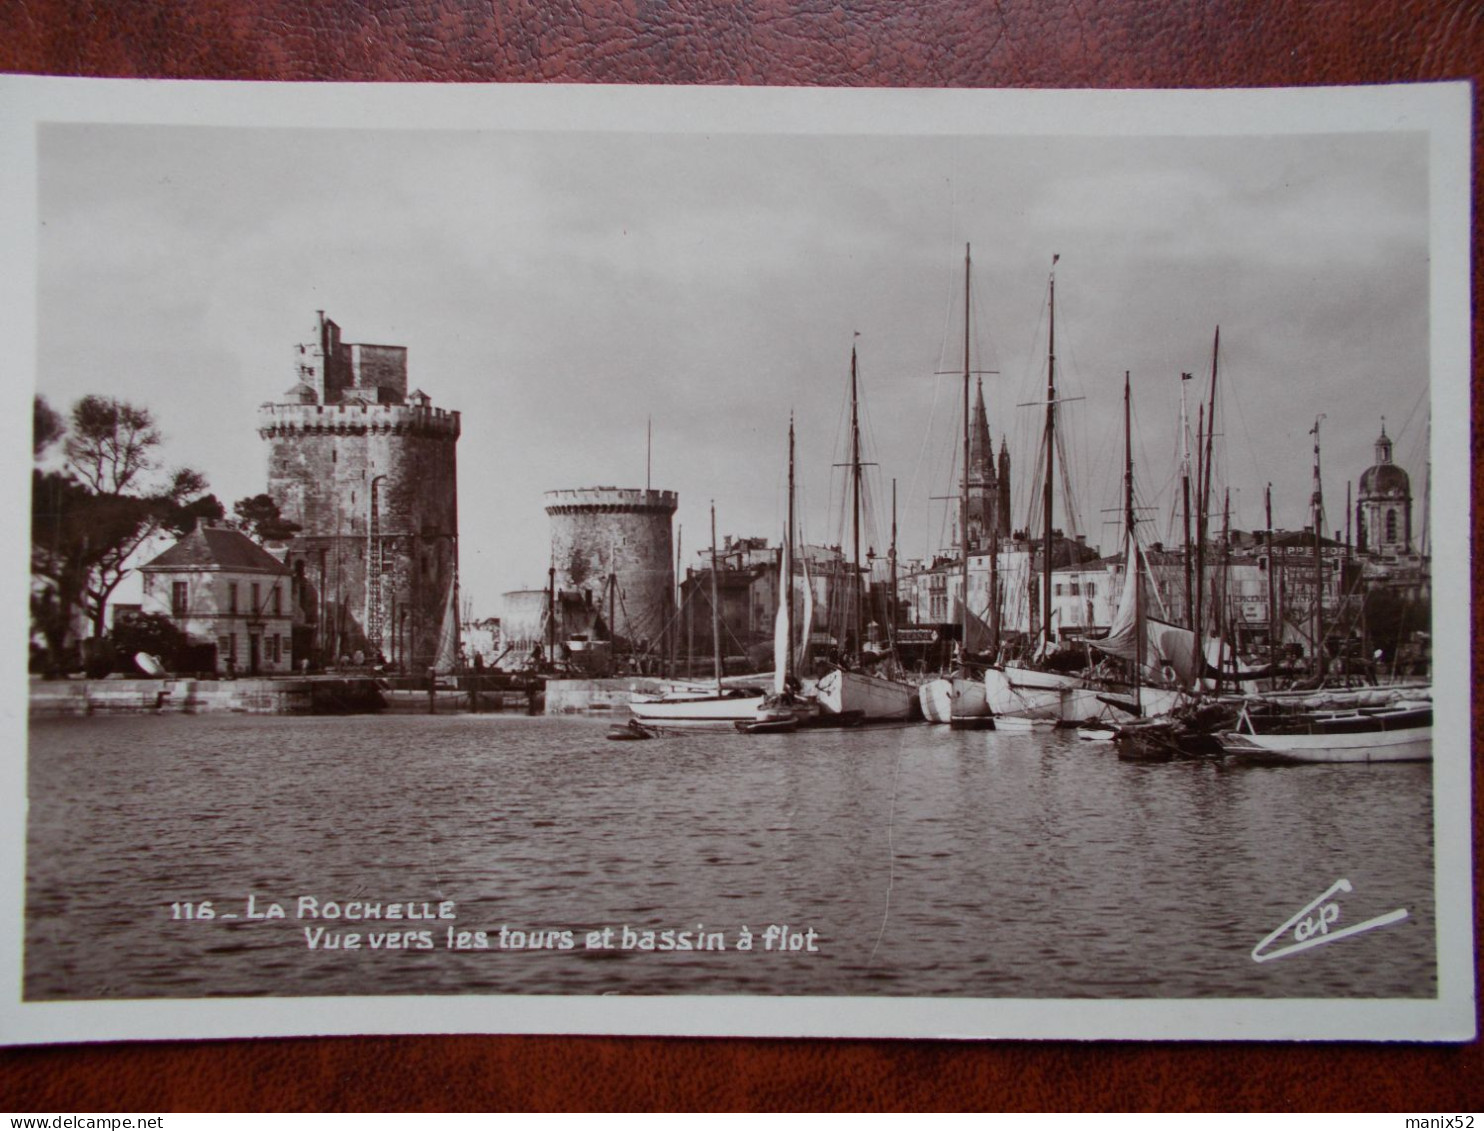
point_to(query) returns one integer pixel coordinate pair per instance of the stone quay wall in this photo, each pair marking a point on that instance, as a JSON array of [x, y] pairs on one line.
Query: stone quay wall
[[76, 698], [597, 696]]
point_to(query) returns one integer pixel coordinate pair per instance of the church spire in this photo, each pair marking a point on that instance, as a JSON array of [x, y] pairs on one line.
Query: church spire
[[981, 447], [980, 480]]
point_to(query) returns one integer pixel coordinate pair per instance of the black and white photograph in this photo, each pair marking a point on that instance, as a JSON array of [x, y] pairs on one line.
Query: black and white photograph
[[739, 562]]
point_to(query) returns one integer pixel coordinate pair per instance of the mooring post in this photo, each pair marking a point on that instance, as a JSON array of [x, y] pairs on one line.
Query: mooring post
[[432, 691]]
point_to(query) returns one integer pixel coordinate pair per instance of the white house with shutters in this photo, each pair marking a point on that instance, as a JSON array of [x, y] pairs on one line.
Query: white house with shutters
[[220, 587]]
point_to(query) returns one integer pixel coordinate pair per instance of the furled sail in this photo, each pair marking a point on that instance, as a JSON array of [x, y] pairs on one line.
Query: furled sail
[[1172, 647], [801, 656], [781, 642], [1123, 634], [447, 657], [977, 636], [1167, 648]]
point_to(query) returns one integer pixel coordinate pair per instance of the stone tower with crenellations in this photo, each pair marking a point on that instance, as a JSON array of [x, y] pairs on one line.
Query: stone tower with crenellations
[[613, 545], [369, 472]]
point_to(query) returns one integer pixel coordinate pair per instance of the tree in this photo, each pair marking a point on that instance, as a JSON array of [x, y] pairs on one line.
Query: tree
[[59, 547], [60, 550], [111, 445], [259, 518], [186, 503], [89, 520], [47, 426]]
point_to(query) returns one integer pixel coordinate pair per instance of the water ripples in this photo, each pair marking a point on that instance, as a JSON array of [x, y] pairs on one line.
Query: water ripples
[[1017, 865]]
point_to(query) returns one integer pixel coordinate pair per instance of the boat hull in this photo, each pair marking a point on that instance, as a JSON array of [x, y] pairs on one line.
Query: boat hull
[[1410, 745], [1029, 694], [769, 726], [959, 699], [935, 697], [716, 714], [1019, 724], [841, 692]]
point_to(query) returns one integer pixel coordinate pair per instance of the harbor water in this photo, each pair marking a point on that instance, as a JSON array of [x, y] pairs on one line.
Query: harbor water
[[896, 861]]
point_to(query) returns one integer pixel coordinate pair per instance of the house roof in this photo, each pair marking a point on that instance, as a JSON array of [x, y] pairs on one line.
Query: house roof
[[1300, 539], [214, 547]]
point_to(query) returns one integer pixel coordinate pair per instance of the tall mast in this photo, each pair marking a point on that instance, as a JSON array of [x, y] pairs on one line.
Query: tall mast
[[1130, 533], [855, 506], [1224, 627], [1425, 544], [676, 594], [1347, 588], [1046, 499], [1347, 521], [1210, 431], [1185, 497], [1316, 506], [994, 582], [550, 614], [1198, 617], [786, 581], [891, 596], [715, 604], [963, 494], [1204, 512], [1274, 622]]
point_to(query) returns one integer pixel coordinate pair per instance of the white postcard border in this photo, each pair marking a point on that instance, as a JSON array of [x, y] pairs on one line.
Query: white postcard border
[[1442, 110]]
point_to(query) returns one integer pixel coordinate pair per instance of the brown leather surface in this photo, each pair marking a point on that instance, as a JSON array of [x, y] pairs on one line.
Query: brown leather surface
[[1040, 43]]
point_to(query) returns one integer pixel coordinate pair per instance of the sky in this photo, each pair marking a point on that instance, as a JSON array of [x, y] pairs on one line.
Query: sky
[[567, 292]]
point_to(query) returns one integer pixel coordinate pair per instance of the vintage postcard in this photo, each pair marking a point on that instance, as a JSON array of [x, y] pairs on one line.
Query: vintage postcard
[[736, 561]]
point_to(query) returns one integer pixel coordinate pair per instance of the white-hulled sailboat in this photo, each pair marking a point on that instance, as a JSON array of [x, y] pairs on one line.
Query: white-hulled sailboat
[[716, 708], [958, 697], [786, 708], [1154, 649], [842, 691], [1023, 690]]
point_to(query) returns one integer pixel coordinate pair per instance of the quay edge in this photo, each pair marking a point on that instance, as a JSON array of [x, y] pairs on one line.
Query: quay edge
[[313, 696]]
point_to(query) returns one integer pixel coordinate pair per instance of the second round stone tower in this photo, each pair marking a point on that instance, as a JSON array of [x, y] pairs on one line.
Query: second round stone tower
[[614, 546]]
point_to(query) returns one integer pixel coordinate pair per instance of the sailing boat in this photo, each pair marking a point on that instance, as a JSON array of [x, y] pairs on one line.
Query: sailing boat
[[717, 707], [959, 697], [844, 690], [741, 708], [1020, 690], [785, 709], [1152, 647]]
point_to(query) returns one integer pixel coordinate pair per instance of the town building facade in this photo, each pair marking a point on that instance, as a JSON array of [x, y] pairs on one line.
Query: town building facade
[[221, 588]]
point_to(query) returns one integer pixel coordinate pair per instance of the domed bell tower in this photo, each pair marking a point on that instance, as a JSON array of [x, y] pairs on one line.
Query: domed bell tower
[[1383, 512]]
